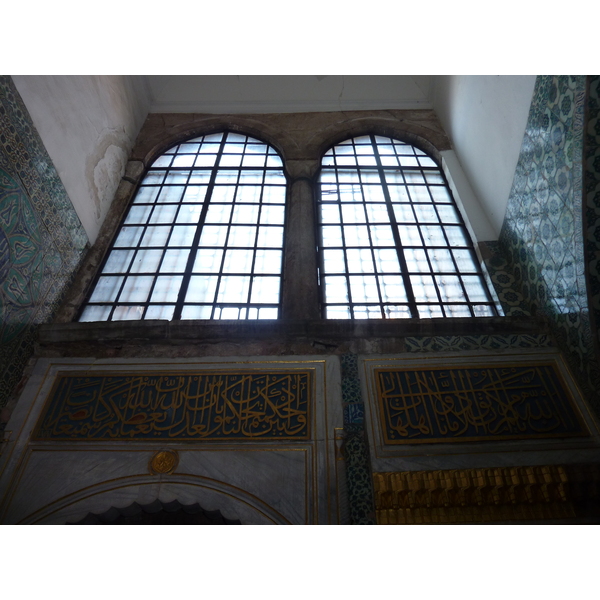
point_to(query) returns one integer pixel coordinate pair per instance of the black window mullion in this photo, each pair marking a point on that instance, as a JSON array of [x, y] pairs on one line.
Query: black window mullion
[[439, 238], [194, 248], [470, 247], [260, 207], [344, 246], [403, 266], [114, 302], [219, 273], [226, 244], [182, 179], [375, 273], [449, 248], [317, 208], [425, 247], [127, 273], [459, 275], [173, 226]]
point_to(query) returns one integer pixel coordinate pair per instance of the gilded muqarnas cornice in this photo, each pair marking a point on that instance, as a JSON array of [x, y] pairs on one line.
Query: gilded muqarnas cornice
[[484, 495]]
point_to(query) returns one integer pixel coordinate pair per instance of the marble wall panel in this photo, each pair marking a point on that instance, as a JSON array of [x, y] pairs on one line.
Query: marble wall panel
[[258, 481], [450, 453]]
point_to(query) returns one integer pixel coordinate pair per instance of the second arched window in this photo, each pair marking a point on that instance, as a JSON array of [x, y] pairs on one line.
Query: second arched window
[[392, 243]]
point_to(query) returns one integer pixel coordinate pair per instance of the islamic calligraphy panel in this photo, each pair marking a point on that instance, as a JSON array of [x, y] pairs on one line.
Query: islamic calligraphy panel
[[184, 406], [475, 403]]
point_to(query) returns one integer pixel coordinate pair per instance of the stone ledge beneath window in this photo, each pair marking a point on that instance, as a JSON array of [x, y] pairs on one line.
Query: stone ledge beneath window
[[324, 332]]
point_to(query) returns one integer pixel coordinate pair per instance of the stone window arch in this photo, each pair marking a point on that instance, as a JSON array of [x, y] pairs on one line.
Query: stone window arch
[[202, 237], [391, 241]]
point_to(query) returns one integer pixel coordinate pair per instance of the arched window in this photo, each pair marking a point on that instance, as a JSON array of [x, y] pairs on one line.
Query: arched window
[[392, 243], [202, 239]]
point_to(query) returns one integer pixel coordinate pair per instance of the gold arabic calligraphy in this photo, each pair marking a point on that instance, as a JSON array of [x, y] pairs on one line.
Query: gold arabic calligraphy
[[205, 406], [474, 403]]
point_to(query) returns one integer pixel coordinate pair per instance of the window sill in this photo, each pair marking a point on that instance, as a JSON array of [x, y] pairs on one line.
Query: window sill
[[322, 331]]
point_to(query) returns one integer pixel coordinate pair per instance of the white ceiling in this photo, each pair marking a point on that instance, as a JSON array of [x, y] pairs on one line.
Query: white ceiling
[[287, 93]]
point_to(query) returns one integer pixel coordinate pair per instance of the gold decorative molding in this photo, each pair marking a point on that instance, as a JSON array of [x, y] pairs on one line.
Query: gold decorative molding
[[164, 462], [474, 495]]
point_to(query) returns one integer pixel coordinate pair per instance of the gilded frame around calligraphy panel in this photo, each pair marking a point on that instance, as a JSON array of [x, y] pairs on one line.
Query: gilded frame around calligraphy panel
[[211, 405], [412, 407]]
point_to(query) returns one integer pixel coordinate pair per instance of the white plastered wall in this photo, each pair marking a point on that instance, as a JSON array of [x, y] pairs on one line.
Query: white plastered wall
[[88, 125], [476, 218], [485, 117]]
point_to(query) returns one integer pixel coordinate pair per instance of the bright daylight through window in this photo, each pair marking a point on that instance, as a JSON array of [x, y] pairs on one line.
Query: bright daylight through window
[[392, 243], [202, 239]]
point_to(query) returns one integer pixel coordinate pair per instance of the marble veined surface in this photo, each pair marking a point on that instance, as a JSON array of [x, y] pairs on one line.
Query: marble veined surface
[[256, 481]]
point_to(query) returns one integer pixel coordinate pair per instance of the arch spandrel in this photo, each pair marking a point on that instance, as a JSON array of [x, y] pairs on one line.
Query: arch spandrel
[[157, 136], [403, 131], [300, 138]]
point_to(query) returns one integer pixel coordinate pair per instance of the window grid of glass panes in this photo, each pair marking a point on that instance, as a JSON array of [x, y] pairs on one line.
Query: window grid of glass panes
[[202, 239], [392, 243]]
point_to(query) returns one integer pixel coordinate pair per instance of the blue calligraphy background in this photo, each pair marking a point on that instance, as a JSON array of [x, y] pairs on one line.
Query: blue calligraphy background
[[472, 404], [183, 406]]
